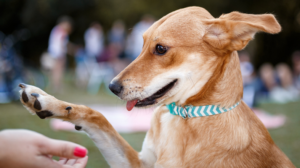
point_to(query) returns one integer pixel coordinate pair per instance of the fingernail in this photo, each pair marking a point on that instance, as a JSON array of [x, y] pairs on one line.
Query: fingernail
[[80, 152]]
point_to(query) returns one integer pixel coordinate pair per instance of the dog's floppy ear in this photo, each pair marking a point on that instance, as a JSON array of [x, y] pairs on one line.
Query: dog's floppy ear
[[233, 31]]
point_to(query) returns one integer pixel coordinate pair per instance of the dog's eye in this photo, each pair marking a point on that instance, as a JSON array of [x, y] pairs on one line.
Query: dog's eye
[[160, 50]]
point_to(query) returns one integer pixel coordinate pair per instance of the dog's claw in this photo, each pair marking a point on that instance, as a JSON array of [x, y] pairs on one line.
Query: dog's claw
[[68, 108], [35, 95], [22, 85]]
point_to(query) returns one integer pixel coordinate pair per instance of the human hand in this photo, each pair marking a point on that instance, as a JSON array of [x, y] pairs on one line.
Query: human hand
[[28, 149]]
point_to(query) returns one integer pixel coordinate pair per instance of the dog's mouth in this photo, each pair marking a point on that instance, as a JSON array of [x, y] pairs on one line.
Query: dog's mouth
[[151, 99]]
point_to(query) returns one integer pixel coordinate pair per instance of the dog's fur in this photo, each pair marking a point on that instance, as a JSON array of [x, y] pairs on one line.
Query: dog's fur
[[202, 57]]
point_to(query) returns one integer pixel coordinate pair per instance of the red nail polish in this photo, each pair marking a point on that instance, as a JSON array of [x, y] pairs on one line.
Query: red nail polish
[[80, 152]]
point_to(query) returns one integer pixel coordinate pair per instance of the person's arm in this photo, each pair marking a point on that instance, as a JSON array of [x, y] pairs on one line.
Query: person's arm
[[28, 149]]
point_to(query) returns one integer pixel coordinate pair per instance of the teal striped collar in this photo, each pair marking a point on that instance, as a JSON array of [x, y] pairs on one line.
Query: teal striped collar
[[190, 111]]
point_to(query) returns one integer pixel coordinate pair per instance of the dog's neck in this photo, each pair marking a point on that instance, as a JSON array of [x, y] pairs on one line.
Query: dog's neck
[[225, 86]]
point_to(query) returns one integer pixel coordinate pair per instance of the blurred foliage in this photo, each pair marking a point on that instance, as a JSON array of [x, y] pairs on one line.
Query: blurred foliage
[[40, 16]]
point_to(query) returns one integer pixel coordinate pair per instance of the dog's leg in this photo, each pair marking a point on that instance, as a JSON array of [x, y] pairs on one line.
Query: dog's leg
[[117, 152]]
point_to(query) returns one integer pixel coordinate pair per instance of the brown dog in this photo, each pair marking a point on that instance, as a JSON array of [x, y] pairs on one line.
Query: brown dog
[[189, 68]]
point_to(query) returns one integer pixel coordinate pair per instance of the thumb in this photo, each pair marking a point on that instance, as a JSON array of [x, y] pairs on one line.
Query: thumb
[[63, 149]]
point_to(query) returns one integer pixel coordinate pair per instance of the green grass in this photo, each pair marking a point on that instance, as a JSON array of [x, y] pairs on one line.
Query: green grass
[[14, 115], [287, 137]]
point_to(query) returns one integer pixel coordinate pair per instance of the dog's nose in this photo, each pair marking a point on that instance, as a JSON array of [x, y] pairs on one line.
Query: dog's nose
[[115, 87]]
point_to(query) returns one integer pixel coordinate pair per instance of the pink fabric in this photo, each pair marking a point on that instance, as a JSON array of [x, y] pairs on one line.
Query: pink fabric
[[122, 120], [138, 120], [270, 121]]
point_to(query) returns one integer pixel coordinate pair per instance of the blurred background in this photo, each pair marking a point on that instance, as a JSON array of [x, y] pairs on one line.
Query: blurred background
[[73, 48]]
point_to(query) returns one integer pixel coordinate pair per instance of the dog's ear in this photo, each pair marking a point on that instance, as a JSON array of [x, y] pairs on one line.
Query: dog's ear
[[233, 31]]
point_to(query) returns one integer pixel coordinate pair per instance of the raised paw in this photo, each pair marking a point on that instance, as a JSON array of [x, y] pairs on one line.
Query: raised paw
[[36, 101]]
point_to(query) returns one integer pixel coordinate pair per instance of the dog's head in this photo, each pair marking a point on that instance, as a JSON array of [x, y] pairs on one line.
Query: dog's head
[[183, 51]]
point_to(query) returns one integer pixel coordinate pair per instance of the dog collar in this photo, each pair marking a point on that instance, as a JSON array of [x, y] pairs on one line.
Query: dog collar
[[190, 111]]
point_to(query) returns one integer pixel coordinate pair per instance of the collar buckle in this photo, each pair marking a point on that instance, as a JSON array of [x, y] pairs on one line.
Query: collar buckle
[[185, 113], [186, 110]]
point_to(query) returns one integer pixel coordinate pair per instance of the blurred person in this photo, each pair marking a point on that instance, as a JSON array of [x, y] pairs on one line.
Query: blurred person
[[268, 81], [116, 38], [117, 34], [251, 84], [57, 49], [94, 40], [82, 68], [264, 85], [11, 66], [247, 71], [286, 91], [247, 68], [86, 57], [296, 68], [97, 58], [28, 149], [102, 71], [135, 40]]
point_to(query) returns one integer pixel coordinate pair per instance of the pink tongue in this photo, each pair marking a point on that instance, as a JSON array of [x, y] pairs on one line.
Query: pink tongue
[[131, 104]]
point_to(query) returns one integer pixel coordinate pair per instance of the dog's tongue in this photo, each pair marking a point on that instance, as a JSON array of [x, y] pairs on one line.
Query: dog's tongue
[[131, 104]]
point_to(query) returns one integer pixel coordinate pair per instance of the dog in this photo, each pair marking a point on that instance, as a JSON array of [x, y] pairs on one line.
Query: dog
[[188, 68]]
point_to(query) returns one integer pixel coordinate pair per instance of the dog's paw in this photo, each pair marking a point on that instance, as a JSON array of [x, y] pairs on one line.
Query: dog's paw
[[36, 101]]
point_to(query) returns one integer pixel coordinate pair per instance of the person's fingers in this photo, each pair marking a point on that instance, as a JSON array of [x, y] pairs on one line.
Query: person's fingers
[[46, 162], [62, 160], [81, 163], [71, 162], [62, 149]]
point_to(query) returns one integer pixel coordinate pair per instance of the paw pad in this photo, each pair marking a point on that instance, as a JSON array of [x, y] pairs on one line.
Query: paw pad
[[24, 97], [37, 105], [78, 127], [44, 114]]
